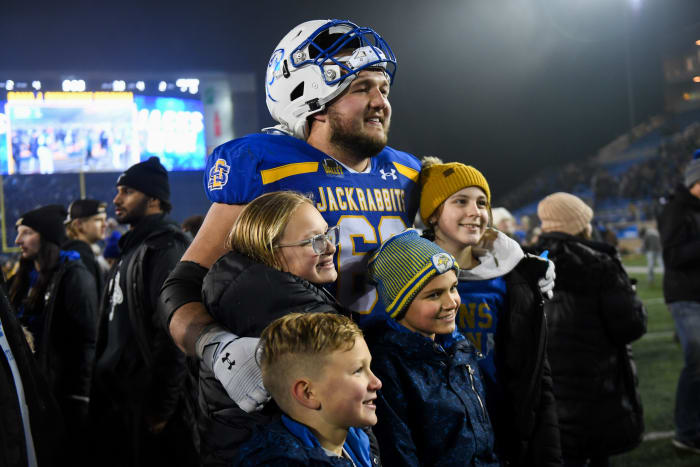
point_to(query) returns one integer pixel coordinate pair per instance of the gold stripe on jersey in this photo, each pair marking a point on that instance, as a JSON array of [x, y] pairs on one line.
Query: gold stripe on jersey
[[407, 171], [284, 171]]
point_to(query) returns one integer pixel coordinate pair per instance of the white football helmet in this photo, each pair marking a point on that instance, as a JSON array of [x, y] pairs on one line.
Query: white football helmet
[[314, 63]]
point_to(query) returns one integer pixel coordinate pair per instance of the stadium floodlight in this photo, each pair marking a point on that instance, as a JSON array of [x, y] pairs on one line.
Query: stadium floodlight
[[162, 86], [75, 85], [118, 85], [140, 85], [36, 85], [9, 85], [188, 84]]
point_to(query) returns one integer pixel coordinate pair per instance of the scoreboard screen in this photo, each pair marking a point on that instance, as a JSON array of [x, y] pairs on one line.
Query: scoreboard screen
[[78, 130]]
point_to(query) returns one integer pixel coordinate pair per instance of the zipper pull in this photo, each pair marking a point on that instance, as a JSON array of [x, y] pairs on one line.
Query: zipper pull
[[471, 372]]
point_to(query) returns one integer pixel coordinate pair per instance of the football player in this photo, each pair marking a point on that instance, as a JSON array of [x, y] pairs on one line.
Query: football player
[[327, 85]]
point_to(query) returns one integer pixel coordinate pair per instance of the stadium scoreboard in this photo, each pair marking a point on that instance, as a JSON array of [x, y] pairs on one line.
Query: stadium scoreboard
[[98, 125]]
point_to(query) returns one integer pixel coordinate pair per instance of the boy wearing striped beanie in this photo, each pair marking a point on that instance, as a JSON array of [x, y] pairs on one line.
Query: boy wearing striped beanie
[[432, 389]]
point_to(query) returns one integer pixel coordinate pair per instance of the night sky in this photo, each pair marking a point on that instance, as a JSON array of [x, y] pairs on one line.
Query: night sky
[[510, 87]]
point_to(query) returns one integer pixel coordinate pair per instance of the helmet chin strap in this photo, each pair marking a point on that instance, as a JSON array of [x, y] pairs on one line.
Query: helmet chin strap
[[301, 129]]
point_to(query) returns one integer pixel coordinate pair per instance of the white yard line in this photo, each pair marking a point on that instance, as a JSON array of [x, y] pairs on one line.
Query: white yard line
[[640, 269], [654, 435], [657, 335]]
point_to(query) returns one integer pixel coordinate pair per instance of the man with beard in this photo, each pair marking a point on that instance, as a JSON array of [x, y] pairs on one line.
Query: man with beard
[[85, 226], [327, 86], [138, 406]]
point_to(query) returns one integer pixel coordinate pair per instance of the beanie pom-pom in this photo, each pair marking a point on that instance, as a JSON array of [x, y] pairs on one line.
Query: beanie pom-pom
[[429, 161], [426, 163]]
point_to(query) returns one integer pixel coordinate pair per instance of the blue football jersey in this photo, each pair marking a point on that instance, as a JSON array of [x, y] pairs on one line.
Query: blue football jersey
[[368, 207], [477, 319]]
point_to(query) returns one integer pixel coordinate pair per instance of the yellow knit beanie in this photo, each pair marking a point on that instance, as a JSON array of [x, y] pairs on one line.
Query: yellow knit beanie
[[440, 181]]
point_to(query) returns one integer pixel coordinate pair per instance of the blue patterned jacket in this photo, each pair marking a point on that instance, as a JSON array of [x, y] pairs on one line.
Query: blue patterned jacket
[[431, 406]]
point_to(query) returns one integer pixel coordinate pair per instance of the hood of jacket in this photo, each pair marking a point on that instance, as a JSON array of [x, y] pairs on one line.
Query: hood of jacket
[[414, 346], [581, 264], [495, 260], [275, 444]]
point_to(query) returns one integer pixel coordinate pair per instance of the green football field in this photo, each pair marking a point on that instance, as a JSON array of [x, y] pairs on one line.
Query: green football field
[[659, 361]]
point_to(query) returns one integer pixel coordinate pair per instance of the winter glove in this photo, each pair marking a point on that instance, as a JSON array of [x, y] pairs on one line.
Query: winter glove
[[536, 265], [232, 360], [546, 284]]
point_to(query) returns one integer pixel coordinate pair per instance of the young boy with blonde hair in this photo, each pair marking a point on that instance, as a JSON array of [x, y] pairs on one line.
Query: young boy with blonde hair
[[316, 367]]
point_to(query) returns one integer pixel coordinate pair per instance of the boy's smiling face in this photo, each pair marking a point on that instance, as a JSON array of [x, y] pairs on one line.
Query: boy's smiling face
[[434, 309], [347, 388]]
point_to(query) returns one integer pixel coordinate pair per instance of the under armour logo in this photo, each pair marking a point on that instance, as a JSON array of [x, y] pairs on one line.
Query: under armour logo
[[391, 174], [226, 360]]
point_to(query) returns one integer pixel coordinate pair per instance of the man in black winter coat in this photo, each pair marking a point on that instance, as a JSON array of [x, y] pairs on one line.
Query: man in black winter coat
[[139, 405], [85, 226], [679, 226]]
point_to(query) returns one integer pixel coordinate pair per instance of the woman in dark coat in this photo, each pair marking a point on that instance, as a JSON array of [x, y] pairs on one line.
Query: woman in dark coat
[[594, 315]]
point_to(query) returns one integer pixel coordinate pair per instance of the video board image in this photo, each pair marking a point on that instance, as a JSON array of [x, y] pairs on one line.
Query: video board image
[[56, 132]]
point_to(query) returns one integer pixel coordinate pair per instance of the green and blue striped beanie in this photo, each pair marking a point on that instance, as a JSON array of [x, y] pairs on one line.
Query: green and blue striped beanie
[[403, 265]]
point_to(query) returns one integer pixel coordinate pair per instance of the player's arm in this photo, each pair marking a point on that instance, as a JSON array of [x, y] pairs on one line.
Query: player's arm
[[194, 330], [182, 290]]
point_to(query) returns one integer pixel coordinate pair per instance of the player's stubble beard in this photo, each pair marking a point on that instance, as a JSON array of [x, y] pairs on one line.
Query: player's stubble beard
[[348, 135]]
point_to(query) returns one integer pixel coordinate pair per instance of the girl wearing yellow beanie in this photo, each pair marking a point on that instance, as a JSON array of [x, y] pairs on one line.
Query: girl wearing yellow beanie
[[501, 312]]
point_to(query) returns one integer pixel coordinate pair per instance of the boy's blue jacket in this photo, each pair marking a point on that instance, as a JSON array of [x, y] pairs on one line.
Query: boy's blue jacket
[[285, 442], [431, 406]]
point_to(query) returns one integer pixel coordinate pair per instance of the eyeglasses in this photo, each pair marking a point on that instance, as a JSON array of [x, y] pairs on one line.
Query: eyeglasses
[[320, 242]]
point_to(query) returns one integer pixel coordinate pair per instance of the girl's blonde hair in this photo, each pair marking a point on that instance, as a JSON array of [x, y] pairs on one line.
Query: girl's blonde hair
[[261, 224]]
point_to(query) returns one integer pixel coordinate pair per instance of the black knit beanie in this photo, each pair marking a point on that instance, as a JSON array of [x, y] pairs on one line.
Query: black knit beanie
[[48, 221], [149, 177]]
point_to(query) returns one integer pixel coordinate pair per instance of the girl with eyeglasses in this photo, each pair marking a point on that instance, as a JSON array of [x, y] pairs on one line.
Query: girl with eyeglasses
[[281, 255]]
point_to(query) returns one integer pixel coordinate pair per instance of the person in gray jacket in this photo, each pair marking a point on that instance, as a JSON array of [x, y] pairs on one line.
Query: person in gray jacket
[[651, 247]]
